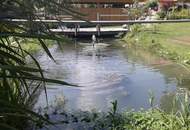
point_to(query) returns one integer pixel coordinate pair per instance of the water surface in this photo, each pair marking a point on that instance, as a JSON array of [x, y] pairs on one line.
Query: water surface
[[107, 73]]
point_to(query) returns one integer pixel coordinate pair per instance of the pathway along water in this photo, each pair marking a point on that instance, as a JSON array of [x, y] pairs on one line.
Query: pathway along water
[[110, 73]]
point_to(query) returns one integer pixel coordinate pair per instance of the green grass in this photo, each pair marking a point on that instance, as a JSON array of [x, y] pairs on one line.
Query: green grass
[[33, 45], [170, 41]]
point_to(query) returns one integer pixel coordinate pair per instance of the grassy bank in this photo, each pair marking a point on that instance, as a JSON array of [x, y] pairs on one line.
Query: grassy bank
[[33, 45], [152, 119], [170, 41]]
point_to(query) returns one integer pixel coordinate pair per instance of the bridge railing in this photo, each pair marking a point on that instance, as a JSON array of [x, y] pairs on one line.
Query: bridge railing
[[98, 22]]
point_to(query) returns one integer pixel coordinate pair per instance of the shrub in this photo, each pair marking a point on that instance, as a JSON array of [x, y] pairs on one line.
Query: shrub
[[152, 4], [162, 14], [183, 14]]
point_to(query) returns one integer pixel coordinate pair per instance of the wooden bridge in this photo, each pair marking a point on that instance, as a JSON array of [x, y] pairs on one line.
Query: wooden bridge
[[98, 29], [86, 32]]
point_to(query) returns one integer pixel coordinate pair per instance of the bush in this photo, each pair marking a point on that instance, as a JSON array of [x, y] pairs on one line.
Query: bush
[[162, 14], [183, 14], [152, 4]]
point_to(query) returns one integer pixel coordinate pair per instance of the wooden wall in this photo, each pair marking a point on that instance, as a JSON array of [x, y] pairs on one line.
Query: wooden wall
[[91, 13]]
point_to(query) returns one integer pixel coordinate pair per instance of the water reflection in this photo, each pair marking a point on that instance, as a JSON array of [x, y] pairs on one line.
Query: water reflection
[[110, 73]]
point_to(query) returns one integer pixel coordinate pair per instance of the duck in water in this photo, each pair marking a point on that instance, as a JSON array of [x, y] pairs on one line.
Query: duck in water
[[93, 39]]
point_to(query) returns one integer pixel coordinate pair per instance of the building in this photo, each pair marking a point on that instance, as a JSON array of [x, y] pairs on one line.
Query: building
[[167, 3], [104, 9]]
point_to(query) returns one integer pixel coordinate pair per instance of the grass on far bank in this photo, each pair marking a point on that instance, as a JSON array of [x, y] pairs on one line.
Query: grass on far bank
[[33, 45], [171, 41]]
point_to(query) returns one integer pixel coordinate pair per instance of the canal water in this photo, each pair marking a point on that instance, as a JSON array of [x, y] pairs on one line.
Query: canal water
[[106, 73]]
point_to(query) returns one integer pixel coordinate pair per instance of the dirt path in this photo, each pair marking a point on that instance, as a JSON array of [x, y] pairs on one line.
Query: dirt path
[[185, 40]]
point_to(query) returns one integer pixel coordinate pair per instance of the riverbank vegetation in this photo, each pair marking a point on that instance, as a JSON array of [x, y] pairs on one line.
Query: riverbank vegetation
[[178, 118], [33, 45], [21, 83], [170, 41]]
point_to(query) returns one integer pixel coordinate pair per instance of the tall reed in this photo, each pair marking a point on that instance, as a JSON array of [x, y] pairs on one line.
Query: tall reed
[[20, 83]]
